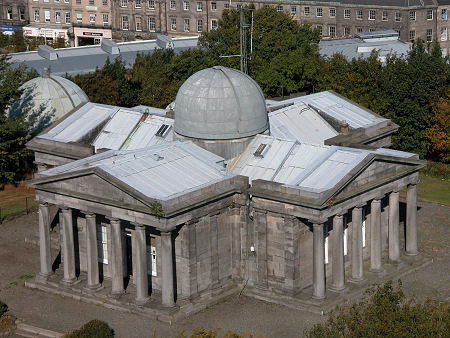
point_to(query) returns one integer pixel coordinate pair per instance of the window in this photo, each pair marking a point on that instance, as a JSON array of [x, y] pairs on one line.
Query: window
[[359, 30], [371, 14], [261, 150], [346, 14], [213, 6], [173, 24], [398, 16], [125, 23], [279, 8], [293, 10], [412, 15], [359, 14], [79, 18], [58, 17], [92, 19], [105, 20], [186, 25], [66, 1], [36, 15], [332, 12], [332, 31], [138, 21], [444, 14], [186, 5], [173, 5], [444, 34], [97, 41], [319, 12], [412, 35], [91, 2], [346, 31], [199, 25], [67, 17], [123, 3], [320, 30], [47, 16], [137, 3], [151, 257], [226, 5], [429, 14], [306, 11], [22, 13], [151, 4], [429, 34], [371, 29], [213, 24], [384, 16], [151, 24], [105, 2], [238, 6], [200, 6], [444, 52], [102, 239], [78, 2], [9, 13]]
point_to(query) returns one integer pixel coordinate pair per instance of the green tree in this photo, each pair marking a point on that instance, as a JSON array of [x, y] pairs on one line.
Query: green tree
[[60, 42], [386, 312], [18, 41], [14, 157]]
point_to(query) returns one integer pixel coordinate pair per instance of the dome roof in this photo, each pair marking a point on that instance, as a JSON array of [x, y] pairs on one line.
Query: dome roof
[[50, 95], [220, 103]]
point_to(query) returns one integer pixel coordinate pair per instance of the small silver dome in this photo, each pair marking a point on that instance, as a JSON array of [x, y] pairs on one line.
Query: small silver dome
[[52, 95], [220, 103]]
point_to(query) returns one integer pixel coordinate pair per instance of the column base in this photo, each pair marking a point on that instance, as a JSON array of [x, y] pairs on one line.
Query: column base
[[337, 288], [357, 280], [142, 302], [70, 282], [116, 294], [93, 288], [376, 270], [411, 253], [42, 277], [397, 262], [318, 297]]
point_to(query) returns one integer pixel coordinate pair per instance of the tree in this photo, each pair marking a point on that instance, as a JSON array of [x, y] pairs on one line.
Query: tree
[[60, 42], [386, 312], [14, 157], [18, 41], [438, 134]]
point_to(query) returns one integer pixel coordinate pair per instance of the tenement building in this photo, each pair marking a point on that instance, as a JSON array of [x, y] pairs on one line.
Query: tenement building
[[294, 201], [13, 15]]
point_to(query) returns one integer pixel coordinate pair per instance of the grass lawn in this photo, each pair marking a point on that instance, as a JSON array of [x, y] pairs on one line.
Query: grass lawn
[[13, 201], [434, 189]]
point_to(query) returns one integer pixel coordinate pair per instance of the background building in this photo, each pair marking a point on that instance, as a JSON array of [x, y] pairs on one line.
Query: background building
[[13, 15]]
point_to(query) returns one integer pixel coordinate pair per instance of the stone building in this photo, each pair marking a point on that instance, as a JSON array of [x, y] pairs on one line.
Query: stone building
[[13, 15], [166, 216], [443, 27]]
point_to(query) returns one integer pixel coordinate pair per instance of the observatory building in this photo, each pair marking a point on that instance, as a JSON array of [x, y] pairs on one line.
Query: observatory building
[[294, 201]]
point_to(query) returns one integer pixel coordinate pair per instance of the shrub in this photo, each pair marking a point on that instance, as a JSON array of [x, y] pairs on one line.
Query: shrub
[[3, 308], [93, 329], [386, 312]]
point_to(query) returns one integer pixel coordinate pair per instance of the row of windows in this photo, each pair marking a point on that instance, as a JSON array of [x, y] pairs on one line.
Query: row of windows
[[57, 17], [429, 35], [9, 13], [78, 2], [151, 24]]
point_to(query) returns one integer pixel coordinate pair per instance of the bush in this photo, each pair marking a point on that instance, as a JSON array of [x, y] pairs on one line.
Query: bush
[[437, 169], [385, 312], [3, 308], [93, 329]]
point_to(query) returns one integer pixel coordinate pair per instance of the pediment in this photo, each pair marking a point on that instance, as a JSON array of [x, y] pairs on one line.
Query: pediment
[[372, 173], [93, 186]]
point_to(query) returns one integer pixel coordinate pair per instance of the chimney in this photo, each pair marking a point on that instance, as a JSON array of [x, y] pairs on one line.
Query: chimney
[[344, 128]]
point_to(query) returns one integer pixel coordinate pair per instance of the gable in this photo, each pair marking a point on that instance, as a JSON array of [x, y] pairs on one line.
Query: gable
[[376, 173], [92, 187]]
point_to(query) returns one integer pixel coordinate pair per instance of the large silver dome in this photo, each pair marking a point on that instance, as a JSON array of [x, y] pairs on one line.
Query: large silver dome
[[220, 103]]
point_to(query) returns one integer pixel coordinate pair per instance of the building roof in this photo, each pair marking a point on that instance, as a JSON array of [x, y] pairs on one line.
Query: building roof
[[358, 3], [81, 60], [51, 95], [311, 167], [161, 172], [300, 122], [352, 48], [220, 103], [335, 107]]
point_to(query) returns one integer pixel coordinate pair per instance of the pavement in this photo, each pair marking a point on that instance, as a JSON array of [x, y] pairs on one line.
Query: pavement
[[19, 261]]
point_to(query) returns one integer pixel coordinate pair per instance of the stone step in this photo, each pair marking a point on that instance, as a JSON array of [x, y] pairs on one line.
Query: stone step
[[26, 330]]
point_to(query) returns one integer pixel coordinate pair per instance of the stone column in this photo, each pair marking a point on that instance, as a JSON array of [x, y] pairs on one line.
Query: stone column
[[411, 220], [337, 263], [141, 265], [375, 236], [167, 269], [357, 245], [68, 247], [44, 243], [93, 282], [116, 258], [318, 261], [394, 227]]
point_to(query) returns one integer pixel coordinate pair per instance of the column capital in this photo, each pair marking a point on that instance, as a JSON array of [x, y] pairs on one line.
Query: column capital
[[138, 226], [376, 200], [340, 215], [89, 214], [318, 221], [395, 191], [65, 209], [166, 233], [360, 206], [44, 204], [113, 219], [412, 184]]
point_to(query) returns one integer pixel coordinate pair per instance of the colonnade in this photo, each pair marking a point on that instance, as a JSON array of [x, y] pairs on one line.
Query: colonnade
[[116, 258], [337, 238]]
